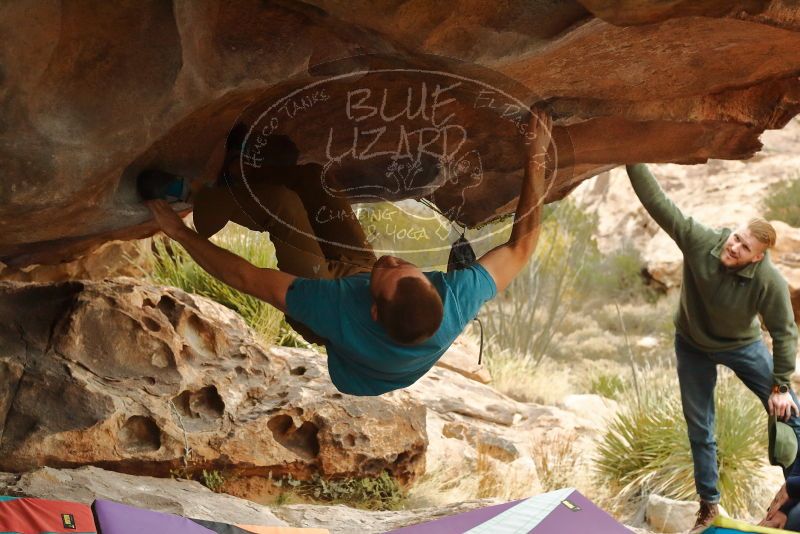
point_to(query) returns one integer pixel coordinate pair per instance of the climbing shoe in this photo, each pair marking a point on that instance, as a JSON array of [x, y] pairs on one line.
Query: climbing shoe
[[154, 184]]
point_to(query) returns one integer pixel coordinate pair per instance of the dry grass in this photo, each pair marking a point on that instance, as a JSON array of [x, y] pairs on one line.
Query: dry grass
[[476, 477], [547, 382], [557, 460]]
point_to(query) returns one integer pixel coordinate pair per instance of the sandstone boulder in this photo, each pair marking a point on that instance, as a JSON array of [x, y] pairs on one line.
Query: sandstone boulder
[[474, 429], [109, 260], [469, 422], [143, 379], [596, 410], [181, 497], [341, 519], [462, 357], [669, 515], [93, 96]]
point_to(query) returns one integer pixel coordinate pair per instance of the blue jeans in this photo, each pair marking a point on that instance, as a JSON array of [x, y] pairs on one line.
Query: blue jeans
[[793, 519], [697, 374]]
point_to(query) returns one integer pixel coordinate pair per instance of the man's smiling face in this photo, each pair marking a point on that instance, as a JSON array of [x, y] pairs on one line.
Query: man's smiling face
[[741, 249]]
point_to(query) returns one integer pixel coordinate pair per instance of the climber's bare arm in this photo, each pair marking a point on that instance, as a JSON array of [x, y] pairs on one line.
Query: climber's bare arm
[[268, 285], [507, 260]]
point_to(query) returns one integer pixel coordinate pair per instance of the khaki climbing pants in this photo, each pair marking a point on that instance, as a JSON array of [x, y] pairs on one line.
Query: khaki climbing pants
[[316, 235]]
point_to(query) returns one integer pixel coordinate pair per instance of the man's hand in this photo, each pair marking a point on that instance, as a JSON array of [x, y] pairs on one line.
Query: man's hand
[[779, 500], [782, 405], [777, 521], [167, 219]]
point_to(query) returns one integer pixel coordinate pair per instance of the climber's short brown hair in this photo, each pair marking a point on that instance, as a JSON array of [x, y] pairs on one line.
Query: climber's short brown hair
[[414, 313], [763, 231]]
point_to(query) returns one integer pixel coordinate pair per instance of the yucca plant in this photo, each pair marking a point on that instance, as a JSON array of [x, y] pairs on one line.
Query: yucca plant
[[173, 266], [646, 449]]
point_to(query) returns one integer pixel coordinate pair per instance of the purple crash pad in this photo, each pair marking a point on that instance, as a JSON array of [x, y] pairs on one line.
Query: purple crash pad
[[456, 524], [590, 518], [552, 516], [115, 518]]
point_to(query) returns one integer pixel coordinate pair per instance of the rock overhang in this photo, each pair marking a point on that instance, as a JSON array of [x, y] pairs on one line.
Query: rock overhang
[[642, 81]]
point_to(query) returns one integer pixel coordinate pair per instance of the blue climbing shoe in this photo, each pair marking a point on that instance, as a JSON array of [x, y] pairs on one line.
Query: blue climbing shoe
[[154, 184]]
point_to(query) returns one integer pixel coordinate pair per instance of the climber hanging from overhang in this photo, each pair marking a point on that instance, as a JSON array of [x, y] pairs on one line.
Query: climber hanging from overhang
[[384, 322]]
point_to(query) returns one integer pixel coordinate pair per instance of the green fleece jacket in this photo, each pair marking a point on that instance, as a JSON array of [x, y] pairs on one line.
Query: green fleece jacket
[[719, 308]]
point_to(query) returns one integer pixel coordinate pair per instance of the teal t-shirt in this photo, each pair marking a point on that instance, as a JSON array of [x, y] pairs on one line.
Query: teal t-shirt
[[362, 358]]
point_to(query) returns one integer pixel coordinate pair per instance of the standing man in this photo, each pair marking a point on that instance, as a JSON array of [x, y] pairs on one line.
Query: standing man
[[384, 322], [728, 281]]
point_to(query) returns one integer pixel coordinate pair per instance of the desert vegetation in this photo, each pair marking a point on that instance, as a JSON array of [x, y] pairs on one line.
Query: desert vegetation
[[172, 266], [783, 202], [646, 448]]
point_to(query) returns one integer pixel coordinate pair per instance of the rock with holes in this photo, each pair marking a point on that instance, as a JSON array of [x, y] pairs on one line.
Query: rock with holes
[[138, 378]]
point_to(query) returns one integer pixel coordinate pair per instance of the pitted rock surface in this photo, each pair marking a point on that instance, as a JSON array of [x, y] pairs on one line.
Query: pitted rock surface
[[93, 96], [125, 375]]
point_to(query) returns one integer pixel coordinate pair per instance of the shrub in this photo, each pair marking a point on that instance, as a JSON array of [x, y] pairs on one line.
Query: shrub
[[619, 276], [591, 342], [524, 319], [608, 386], [174, 266], [646, 448], [783, 202], [373, 493], [213, 480], [549, 308], [640, 319]]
